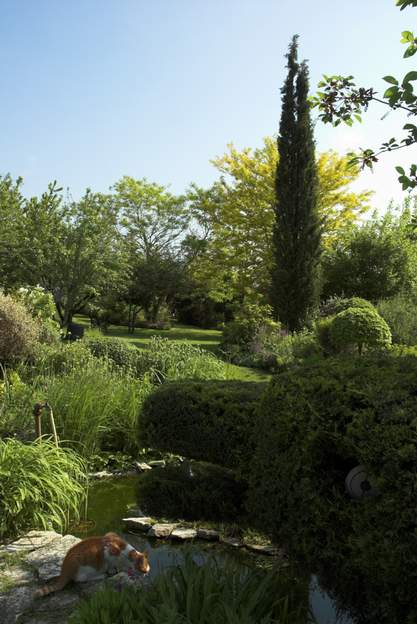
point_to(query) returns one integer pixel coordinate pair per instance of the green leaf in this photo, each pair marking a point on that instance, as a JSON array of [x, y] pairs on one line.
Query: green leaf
[[410, 52], [400, 170], [412, 75], [407, 36], [390, 92], [390, 79]]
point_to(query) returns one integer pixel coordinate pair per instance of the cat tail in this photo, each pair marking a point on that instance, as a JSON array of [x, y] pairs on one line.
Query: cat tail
[[56, 585]]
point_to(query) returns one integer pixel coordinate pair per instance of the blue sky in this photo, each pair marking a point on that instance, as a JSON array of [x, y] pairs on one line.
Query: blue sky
[[96, 89]]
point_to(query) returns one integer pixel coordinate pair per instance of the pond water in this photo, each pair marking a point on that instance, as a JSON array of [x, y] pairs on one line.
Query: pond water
[[108, 503]]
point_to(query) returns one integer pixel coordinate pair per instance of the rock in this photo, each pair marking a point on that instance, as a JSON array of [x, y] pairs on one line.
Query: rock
[[48, 559], [231, 541], [183, 534], [157, 463], [269, 549], [15, 603], [135, 512], [138, 524], [18, 575], [119, 581], [31, 541], [142, 466], [208, 534], [102, 474], [161, 530]]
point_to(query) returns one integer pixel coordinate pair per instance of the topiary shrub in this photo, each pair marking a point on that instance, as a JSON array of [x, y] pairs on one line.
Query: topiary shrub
[[356, 328], [334, 305], [19, 332], [192, 491], [209, 421], [314, 424]]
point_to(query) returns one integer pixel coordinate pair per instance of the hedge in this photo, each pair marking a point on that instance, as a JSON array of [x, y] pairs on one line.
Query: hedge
[[318, 421], [210, 421]]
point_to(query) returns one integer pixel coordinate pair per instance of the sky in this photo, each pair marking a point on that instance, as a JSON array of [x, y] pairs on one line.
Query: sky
[[96, 89]]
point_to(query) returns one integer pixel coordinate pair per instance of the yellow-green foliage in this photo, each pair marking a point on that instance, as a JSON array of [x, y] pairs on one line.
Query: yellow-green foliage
[[40, 486], [19, 332], [358, 328]]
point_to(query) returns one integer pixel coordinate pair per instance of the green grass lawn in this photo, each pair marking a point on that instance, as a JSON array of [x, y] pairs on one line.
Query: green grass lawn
[[208, 339]]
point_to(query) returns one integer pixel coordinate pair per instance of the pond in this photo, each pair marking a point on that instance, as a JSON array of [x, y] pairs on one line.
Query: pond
[[108, 503]]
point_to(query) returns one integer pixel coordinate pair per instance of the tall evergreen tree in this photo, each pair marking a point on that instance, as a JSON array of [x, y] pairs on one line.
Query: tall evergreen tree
[[297, 229]]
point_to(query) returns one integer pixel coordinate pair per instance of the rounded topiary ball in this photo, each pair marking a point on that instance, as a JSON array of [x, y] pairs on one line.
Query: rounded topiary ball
[[359, 327], [19, 332]]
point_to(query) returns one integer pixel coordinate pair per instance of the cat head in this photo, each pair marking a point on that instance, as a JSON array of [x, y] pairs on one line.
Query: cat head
[[139, 561]]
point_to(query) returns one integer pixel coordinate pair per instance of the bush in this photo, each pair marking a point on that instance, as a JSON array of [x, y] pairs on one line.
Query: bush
[[40, 304], [359, 328], [19, 333], [317, 422], [40, 486], [208, 421], [60, 359], [208, 593], [401, 315], [162, 359], [192, 491], [334, 305]]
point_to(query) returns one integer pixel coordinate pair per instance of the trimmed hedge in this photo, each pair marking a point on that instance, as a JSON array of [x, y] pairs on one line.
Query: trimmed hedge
[[318, 421], [210, 421]]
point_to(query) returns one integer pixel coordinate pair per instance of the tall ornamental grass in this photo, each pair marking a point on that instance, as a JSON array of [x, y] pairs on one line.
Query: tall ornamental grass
[[96, 406], [41, 486], [203, 594]]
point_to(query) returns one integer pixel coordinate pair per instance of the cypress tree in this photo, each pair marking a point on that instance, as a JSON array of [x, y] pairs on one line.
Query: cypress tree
[[297, 228]]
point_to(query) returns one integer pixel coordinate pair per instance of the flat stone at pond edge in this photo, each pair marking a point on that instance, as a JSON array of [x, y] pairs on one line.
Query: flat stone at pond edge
[[31, 541], [270, 550], [142, 466], [157, 463], [208, 534], [102, 474], [231, 541], [18, 576], [183, 534], [48, 559], [138, 524], [161, 530]]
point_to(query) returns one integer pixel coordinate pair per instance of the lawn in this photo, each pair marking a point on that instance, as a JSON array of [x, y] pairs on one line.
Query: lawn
[[208, 339]]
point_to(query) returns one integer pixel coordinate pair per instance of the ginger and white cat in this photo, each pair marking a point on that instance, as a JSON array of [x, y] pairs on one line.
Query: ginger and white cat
[[94, 557]]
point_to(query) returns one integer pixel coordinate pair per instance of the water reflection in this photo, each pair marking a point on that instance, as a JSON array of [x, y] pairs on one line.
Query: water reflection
[[109, 502]]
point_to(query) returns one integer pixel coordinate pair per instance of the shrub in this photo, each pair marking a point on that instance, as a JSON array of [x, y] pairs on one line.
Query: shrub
[[208, 593], [208, 421], [334, 305], [359, 327], [162, 359], [16, 406], [192, 491], [40, 486], [60, 359], [41, 306], [317, 422], [401, 315], [19, 332]]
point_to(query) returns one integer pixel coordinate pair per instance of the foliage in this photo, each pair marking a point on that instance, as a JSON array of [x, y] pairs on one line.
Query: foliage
[[40, 486], [336, 304], [208, 421], [206, 593], [315, 423], [16, 406], [41, 306], [11, 201], [236, 217], [359, 327], [96, 406], [340, 100], [297, 227], [68, 248], [400, 313], [161, 359], [192, 491], [374, 261], [59, 359], [19, 333]]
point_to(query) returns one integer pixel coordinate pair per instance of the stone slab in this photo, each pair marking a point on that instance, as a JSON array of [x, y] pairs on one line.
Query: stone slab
[[48, 559], [208, 534], [183, 534], [161, 530], [138, 524], [31, 541]]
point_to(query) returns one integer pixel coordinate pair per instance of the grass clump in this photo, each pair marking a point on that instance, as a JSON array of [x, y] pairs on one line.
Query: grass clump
[[203, 594], [41, 486]]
